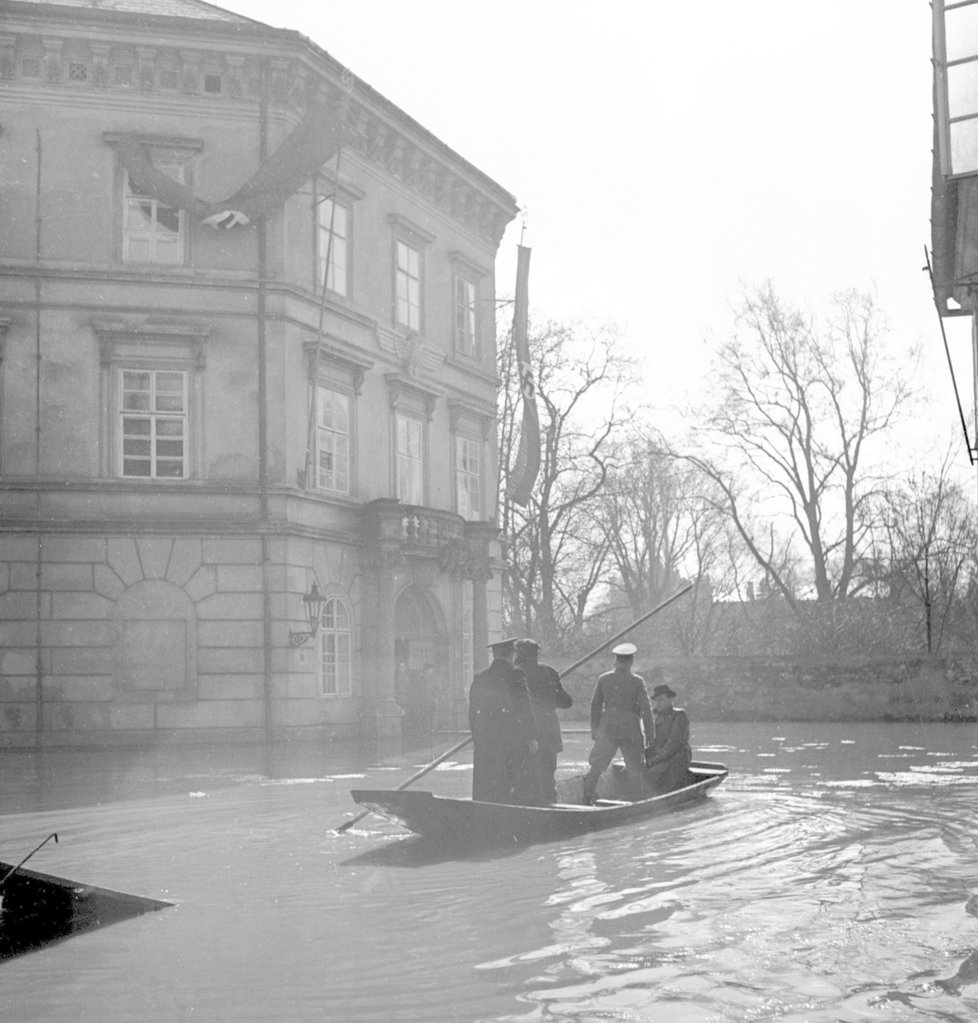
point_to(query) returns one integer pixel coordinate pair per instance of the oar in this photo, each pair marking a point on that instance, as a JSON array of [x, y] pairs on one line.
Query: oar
[[13, 870], [414, 777], [617, 636], [461, 745]]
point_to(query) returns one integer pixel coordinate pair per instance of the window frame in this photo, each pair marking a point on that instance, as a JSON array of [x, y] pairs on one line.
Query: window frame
[[336, 201], [466, 342], [334, 366], [404, 274], [414, 239], [158, 349], [164, 149], [156, 417], [342, 637], [946, 70], [349, 397], [410, 418], [459, 475], [153, 234]]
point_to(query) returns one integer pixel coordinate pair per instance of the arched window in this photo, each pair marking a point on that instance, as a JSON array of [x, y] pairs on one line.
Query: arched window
[[334, 648]]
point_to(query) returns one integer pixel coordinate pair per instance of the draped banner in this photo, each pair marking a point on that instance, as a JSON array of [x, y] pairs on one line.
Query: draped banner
[[520, 483], [310, 144]]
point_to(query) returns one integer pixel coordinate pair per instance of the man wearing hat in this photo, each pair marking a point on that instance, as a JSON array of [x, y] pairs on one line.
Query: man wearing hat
[[620, 710], [504, 732], [668, 755], [546, 695]]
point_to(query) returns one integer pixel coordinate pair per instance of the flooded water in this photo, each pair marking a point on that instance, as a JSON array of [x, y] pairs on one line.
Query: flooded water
[[833, 878]]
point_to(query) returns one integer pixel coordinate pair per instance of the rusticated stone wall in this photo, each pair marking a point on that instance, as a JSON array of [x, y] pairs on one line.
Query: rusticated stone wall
[[811, 689]]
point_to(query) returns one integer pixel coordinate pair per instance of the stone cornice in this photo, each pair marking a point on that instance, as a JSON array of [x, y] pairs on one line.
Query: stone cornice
[[138, 330], [399, 383], [55, 50], [332, 349]]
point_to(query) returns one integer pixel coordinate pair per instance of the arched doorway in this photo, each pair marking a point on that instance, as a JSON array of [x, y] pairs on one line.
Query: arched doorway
[[420, 655]]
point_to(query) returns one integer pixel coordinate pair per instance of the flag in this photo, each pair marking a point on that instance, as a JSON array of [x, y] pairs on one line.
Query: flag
[[301, 154], [527, 464]]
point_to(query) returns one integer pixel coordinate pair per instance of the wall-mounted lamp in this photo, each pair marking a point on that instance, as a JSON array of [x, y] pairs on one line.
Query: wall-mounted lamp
[[312, 603]]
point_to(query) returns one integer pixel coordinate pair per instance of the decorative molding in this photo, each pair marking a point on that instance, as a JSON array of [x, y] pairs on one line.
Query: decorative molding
[[383, 135], [483, 414], [334, 350], [113, 333], [398, 385], [346, 191], [188, 145], [468, 266], [401, 223]]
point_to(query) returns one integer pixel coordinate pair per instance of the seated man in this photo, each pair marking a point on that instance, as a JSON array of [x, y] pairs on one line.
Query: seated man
[[668, 756]]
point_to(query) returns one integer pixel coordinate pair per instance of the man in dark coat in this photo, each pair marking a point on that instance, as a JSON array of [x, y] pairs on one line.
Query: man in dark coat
[[620, 710], [503, 732], [668, 755], [546, 695]]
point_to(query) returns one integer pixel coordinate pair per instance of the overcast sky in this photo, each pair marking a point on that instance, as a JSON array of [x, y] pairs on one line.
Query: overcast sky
[[668, 154]]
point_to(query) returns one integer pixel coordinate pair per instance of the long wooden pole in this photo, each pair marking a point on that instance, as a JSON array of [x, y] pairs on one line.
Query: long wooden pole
[[346, 825], [13, 870]]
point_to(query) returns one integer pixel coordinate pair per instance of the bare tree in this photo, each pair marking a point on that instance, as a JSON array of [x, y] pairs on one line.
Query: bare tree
[[930, 530], [660, 530], [786, 443], [554, 554]]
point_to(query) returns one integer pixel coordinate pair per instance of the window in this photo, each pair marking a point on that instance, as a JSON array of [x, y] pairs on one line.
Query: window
[[407, 278], [333, 246], [465, 312], [153, 423], [152, 232], [333, 441], [956, 88], [334, 647], [468, 478], [410, 459]]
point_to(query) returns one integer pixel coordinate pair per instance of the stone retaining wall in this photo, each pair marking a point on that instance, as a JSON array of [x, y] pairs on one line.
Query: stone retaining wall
[[810, 689]]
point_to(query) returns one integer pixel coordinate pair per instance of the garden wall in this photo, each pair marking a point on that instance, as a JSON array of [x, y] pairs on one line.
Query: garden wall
[[805, 689]]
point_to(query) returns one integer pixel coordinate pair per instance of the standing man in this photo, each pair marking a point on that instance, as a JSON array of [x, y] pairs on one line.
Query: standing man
[[503, 732], [668, 756], [546, 695], [620, 710]]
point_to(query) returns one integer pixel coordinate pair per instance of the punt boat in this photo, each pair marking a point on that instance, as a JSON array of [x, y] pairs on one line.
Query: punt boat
[[37, 909], [470, 822]]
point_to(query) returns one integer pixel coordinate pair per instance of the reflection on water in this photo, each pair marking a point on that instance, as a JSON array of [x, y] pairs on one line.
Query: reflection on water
[[830, 878]]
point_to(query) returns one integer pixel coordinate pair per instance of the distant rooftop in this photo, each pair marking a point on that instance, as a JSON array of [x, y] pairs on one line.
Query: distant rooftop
[[159, 8]]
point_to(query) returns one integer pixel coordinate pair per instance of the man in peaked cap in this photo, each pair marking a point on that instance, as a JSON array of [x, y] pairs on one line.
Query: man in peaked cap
[[620, 710], [546, 695], [504, 732], [668, 756]]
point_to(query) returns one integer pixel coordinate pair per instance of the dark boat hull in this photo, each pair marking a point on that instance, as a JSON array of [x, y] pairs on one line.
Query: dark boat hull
[[38, 909], [467, 822]]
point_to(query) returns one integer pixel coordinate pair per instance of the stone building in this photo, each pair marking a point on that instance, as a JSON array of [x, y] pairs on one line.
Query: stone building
[[246, 358], [954, 192]]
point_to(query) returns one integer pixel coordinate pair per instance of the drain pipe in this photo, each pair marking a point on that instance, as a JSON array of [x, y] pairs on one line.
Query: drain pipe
[[39, 563], [266, 572]]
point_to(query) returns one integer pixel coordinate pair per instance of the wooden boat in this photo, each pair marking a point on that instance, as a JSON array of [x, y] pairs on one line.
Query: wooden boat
[[468, 822], [37, 909]]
